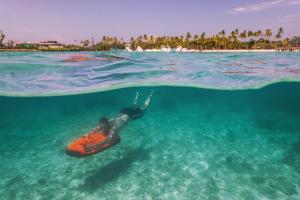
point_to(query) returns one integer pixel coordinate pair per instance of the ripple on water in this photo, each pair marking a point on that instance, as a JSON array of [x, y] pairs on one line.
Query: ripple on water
[[65, 73]]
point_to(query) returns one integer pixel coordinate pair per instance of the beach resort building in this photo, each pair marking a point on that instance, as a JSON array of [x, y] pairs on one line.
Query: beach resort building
[[50, 44]]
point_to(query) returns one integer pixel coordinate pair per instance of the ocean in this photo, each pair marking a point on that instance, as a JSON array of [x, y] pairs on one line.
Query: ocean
[[220, 125]]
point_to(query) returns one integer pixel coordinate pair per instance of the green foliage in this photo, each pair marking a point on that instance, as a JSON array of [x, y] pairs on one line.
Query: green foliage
[[27, 46], [109, 43], [295, 41], [234, 40]]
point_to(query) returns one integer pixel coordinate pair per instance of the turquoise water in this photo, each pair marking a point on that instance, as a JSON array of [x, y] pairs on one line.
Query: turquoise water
[[193, 143], [37, 74]]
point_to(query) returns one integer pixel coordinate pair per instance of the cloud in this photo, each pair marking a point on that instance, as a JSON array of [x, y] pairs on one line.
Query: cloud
[[290, 18], [294, 2], [29, 30], [265, 4]]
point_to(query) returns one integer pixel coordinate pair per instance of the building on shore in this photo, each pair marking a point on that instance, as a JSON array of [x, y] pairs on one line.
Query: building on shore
[[50, 44]]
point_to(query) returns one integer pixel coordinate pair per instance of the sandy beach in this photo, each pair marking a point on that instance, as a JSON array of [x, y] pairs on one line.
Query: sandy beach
[[203, 51]]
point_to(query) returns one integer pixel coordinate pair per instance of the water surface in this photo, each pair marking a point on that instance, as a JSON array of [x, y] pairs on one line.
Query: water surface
[[37, 74]]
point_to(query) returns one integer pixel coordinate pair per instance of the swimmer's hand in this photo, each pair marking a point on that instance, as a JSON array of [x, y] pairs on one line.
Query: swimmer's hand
[[95, 147]]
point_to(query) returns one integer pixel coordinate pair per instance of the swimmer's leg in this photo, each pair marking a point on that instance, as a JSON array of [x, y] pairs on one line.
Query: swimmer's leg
[[147, 102], [136, 98], [135, 111]]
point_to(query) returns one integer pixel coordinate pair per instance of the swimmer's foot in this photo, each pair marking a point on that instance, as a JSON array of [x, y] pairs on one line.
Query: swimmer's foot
[[148, 101], [135, 102]]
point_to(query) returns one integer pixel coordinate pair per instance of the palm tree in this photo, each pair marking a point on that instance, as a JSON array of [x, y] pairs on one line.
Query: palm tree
[[145, 37], [259, 33], [187, 39], [236, 31], [286, 42], [236, 37], [222, 33], [268, 33], [151, 39], [243, 35], [2, 36], [217, 40], [256, 34], [233, 37], [85, 43], [203, 40], [279, 33], [195, 41], [188, 36], [10, 44], [223, 36], [132, 43], [250, 34]]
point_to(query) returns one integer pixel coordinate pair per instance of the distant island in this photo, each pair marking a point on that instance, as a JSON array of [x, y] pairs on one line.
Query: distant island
[[234, 41]]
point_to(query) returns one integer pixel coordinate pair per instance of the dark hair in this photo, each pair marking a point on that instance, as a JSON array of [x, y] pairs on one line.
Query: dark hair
[[103, 124]]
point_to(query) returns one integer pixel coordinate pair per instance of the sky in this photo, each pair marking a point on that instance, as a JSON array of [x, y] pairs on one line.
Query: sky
[[74, 20]]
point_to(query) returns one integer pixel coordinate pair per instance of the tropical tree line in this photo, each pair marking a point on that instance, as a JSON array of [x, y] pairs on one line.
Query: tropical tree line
[[236, 39], [108, 43], [295, 41], [233, 40]]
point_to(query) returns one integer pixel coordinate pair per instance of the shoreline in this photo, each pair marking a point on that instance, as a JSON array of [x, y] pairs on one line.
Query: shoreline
[[210, 50], [20, 50], [38, 50], [156, 50], [239, 50]]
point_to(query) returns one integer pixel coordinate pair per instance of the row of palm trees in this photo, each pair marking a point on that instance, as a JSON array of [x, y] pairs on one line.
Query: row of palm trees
[[108, 43], [234, 40]]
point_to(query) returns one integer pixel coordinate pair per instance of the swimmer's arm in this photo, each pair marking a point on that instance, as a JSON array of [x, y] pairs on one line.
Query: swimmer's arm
[[116, 126], [100, 144], [109, 137], [112, 132]]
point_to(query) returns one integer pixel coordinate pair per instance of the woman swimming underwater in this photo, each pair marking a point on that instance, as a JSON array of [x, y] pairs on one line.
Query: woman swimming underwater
[[107, 132]]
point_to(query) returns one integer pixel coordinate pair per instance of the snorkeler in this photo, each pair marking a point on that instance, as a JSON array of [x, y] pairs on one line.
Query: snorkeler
[[107, 132]]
